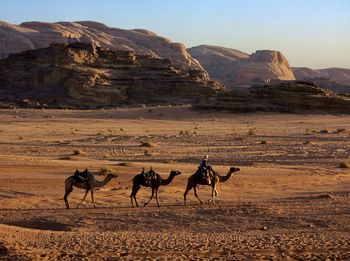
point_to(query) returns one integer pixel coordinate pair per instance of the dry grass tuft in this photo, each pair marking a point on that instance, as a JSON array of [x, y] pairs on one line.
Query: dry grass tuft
[[78, 152], [344, 165], [146, 144]]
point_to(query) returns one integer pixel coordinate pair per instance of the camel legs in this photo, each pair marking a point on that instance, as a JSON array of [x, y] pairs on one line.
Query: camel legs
[[214, 193], [135, 189], [196, 195], [68, 191], [92, 197], [189, 187], [157, 197], [81, 202], [153, 189]]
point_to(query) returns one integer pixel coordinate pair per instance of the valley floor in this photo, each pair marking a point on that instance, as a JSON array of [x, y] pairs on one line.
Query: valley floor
[[290, 201]]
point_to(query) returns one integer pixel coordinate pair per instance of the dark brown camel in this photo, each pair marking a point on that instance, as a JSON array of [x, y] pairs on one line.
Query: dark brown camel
[[89, 183], [146, 180], [194, 180]]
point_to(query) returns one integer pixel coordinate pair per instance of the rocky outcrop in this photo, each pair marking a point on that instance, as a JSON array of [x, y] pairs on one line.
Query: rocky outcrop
[[335, 79], [33, 35], [84, 76], [234, 68], [290, 96]]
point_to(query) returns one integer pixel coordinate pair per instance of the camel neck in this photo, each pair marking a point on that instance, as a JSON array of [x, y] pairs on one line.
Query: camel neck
[[225, 178], [167, 181], [102, 182]]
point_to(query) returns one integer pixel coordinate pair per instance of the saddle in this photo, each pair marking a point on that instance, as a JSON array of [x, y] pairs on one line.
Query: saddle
[[204, 174], [81, 176]]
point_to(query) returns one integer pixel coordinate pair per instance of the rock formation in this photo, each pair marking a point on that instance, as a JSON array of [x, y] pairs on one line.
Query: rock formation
[[84, 76], [339, 75], [33, 35], [335, 79], [235, 68], [283, 96]]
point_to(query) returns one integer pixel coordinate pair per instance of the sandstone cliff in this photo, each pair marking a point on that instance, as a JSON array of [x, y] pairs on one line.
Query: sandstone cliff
[[234, 68], [290, 96], [32, 35], [83, 76]]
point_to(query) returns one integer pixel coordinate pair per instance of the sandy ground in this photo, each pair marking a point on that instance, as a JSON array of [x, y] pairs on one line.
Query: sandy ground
[[290, 201]]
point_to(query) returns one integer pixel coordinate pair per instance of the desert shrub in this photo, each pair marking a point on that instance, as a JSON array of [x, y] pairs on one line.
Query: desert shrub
[[125, 164], [263, 142], [344, 165], [168, 161], [340, 130], [147, 153], [20, 137], [252, 132], [77, 152], [184, 133], [324, 131], [146, 144]]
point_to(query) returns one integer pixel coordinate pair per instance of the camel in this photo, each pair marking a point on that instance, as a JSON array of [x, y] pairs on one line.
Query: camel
[[145, 179], [194, 180], [89, 184]]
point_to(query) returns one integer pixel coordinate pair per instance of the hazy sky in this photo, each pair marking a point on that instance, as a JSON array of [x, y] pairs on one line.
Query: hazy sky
[[312, 33]]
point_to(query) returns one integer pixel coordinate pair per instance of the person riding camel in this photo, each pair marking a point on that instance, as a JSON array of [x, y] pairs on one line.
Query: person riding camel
[[203, 167]]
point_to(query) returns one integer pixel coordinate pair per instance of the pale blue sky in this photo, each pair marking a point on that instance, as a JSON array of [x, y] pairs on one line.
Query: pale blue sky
[[312, 33]]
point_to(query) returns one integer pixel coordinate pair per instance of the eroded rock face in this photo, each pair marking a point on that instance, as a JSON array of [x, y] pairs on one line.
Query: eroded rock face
[[336, 79], [234, 68], [290, 96], [33, 35], [84, 76]]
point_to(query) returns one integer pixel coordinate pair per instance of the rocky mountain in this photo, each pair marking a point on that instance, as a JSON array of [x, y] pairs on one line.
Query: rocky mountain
[[33, 35], [80, 75], [283, 96], [235, 68]]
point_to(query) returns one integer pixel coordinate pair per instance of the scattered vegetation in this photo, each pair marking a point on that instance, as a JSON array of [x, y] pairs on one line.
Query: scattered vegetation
[[125, 164], [184, 133], [147, 153], [344, 165], [65, 158], [340, 130], [324, 131], [121, 129], [78, 152], [263, 142], [169, 161], [20, 137], [146, 144], [252, 131]]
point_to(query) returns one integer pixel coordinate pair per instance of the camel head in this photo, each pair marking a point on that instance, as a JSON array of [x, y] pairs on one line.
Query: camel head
[[175, 173], [234, 169], [111, 176]]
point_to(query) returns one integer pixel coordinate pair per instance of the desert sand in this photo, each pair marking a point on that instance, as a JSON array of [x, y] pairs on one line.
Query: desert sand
[[289, 201]]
